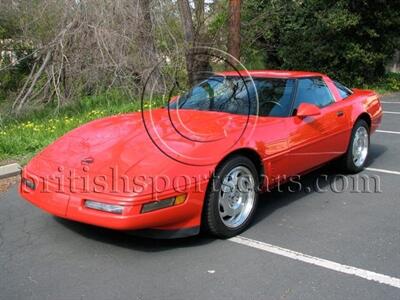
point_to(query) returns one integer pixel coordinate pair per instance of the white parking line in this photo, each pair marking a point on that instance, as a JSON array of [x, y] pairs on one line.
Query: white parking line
[[392, 112], [388, 131], [388, 102], [383, 171], [327, 264]]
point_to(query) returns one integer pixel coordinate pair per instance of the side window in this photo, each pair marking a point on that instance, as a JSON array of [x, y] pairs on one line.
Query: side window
[[313, 91], [275, 97], [343, 91]]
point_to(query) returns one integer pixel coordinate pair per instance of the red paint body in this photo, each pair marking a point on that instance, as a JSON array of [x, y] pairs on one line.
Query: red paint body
[[120, 147]]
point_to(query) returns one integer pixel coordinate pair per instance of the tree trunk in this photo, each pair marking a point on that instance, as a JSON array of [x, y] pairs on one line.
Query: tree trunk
[[188, 30], [148, 51], [234, 31], [199, 11], [394, 65], [35, 78]]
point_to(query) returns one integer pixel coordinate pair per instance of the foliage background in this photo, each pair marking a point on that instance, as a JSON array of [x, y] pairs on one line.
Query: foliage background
[[65, 62], [349, 40], [96, 47]]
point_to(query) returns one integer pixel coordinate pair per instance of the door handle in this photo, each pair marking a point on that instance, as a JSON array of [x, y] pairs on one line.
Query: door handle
[[340, 113]]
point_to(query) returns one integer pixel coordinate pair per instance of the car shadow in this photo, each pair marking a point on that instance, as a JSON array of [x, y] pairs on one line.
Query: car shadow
[[269, 203], [376, 150], [129, 240], [290, 192]]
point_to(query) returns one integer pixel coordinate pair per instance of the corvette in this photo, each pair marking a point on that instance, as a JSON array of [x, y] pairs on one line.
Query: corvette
[[201, 161]]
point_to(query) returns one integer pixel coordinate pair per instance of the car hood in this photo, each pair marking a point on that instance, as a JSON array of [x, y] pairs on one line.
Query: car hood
[[152, 143]]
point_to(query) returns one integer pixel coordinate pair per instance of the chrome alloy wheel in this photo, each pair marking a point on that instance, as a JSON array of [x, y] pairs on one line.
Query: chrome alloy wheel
[[237, 197], [360, 146]]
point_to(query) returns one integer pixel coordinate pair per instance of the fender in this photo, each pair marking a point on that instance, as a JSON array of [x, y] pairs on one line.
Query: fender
[[367, 105]]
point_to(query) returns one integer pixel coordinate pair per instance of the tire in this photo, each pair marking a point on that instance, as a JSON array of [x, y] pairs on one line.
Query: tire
[[229, 208], [361, 132]]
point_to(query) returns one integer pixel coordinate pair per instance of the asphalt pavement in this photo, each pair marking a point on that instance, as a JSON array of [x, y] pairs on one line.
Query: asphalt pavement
[[307, 244]]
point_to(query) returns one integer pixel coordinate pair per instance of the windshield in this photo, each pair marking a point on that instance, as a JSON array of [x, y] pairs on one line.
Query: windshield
[[238, 95]]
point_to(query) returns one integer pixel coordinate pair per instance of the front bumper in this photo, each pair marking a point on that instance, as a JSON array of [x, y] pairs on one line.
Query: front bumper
[[181, 220]]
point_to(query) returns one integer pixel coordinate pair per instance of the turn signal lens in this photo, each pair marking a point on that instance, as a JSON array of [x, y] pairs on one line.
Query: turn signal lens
[[151, 206], [155, 205], [114, 209], [180, 199], [29, 183]]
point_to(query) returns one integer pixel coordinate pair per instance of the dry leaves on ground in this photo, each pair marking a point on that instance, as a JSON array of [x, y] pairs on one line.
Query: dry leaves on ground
[[6, 183]]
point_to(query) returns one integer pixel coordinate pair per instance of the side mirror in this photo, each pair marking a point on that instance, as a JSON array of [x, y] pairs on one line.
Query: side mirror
[[308, 110]]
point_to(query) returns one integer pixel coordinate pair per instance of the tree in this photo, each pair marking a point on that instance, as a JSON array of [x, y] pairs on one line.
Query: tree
[[80, 48], [148, 53], [351, 40], [197, 59], [234, 31], [188, 32]]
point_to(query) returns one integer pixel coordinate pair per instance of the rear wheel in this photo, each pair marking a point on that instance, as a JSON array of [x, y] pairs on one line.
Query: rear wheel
[[231, 198], [356, 156]]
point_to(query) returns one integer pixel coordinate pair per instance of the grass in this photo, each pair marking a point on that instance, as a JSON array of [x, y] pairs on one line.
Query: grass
[[388, 84], [22, 138]]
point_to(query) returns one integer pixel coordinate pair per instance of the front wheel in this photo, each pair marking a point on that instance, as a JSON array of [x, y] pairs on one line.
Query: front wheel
[[231, 198], [356, 156]]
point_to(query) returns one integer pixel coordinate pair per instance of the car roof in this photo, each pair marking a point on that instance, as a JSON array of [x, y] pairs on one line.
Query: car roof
[[271, 73]]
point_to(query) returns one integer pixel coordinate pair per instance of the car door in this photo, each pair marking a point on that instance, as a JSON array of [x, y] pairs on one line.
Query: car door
[[274, 98], [315, 140]]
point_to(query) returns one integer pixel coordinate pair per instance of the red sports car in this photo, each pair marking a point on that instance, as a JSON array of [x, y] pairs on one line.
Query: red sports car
[[203, 159]]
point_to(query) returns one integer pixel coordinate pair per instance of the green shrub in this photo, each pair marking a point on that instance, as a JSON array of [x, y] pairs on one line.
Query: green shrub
[[389, 83], [349, 40]]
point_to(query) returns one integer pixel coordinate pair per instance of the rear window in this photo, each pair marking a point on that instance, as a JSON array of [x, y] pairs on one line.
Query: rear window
[[343, 90]]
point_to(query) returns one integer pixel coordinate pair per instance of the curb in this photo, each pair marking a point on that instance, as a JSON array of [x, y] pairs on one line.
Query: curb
[[10, 170]]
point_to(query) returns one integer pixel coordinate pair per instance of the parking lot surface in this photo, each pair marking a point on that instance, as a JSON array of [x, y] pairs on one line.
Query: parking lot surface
[[330, 232]]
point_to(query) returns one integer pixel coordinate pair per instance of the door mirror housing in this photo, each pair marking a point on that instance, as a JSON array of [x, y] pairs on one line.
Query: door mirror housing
[[307, 110]]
